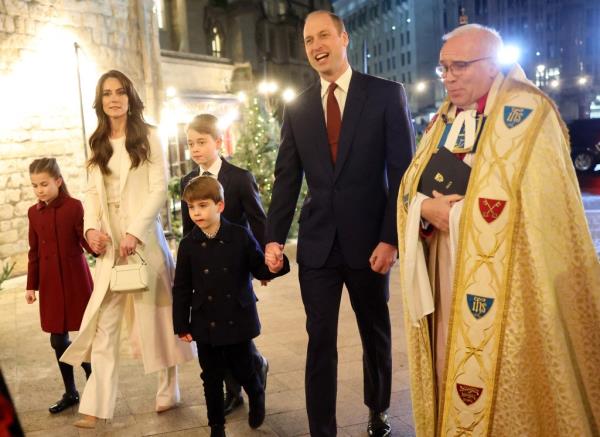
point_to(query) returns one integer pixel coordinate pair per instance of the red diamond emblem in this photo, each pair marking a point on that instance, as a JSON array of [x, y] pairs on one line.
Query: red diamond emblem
[[491, 208]]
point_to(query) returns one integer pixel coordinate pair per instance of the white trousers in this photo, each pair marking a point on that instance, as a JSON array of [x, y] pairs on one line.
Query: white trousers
[[100, 393]]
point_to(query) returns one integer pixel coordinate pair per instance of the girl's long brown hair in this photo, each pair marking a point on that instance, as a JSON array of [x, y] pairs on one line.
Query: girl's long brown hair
[[49, 166], [136, 136]]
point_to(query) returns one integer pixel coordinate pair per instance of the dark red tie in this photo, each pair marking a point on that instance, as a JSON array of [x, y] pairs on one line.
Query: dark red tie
[[334, 121]]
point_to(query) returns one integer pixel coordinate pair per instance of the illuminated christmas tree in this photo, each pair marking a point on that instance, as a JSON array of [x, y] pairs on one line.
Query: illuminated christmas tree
[[256, 149]]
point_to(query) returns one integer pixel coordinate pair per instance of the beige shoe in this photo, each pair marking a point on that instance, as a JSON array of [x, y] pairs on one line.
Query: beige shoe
[[88, 422], [163, 408]]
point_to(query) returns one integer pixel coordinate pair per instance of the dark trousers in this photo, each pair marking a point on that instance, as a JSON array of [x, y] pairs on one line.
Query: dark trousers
[[214, 360], [321, 294], [232, 386], [60, 342]]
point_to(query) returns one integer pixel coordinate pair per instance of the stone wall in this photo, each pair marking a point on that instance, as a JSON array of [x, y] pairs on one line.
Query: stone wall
[[40, 111]]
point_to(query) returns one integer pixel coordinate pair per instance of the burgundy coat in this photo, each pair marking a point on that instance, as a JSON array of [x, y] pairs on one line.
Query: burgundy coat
[[57, 267]]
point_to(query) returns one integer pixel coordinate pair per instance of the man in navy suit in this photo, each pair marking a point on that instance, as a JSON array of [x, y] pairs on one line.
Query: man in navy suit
[[243, 207], [350, 134]]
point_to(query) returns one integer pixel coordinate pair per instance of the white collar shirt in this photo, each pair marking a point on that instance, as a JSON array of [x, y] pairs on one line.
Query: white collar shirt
[[341, 91], [214, 169]]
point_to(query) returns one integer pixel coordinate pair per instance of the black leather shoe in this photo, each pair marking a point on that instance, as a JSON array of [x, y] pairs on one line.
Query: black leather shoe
[[232, 401], [68, 400], [217, 431], [379, 424], [263, 373], [256, 411]]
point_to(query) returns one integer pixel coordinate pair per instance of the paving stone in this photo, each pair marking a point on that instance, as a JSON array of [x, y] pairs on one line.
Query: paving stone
[[30, 368]]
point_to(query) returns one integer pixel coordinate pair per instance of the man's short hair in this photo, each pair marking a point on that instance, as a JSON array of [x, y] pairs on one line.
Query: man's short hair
[[205, 124], [492, 39], [337, 20], [203, 188]]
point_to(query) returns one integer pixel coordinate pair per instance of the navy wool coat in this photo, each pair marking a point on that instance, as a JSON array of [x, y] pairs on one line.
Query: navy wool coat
[[213, 298]]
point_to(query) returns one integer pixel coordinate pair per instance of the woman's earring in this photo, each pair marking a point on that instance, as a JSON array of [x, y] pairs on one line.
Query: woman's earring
[[129, 111]]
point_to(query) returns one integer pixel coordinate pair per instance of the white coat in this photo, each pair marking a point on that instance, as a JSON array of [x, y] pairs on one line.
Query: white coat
[[143, 193]]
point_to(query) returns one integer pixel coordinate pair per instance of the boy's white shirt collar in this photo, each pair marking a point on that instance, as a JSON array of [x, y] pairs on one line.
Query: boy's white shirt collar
[[343, 82], [214, 168]]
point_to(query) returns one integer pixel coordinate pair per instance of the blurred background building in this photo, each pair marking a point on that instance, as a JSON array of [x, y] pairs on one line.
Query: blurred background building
[[398, 40], [558, 43]]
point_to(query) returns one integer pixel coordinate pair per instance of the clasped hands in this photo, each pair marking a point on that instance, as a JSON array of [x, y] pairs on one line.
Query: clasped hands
[[436, 210], [98, 241], [381, 260]]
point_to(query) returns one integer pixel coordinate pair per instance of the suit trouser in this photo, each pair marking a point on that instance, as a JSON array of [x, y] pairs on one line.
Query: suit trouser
[[321, 294], [100, 393], [231, 384], [214, 360]]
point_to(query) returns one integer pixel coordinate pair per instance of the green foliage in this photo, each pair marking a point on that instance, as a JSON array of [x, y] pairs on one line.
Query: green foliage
[[256, 151], [175, 200], [91, 259], [7, 269]]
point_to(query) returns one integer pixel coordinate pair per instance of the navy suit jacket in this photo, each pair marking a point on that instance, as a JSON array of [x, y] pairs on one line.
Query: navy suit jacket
[[242, 201], [354, 199]]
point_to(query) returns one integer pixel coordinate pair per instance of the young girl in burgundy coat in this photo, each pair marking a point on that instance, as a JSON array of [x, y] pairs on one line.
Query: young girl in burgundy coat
[[57, 267]]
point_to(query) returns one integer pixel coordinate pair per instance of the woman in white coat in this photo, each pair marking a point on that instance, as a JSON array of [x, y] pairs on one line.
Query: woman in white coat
[[127, 187]]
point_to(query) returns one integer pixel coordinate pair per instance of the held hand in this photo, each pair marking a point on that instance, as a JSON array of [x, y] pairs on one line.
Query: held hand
[[186, 337], [437, 210], [383, 257], [97, 240], [273, 255], [30, 296], [274, 264], [128, 245]]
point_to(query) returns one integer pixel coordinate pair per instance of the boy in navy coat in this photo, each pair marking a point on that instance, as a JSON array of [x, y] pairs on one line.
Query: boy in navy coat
[[243, 207], [213, 278]]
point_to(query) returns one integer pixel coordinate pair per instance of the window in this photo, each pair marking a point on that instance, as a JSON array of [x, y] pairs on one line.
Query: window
[[401, 39], [480, 7], [408, 58], [407, 37], [409, 78], [394, 63], [388, 64], [402, 59], [393, 43], [215, 42]]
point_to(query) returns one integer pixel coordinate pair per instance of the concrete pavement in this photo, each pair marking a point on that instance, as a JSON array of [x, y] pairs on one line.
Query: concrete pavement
[[30, 369]]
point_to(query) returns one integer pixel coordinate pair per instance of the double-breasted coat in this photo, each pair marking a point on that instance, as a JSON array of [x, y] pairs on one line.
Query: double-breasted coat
[[143, 193], [214, 279], [57, 266]]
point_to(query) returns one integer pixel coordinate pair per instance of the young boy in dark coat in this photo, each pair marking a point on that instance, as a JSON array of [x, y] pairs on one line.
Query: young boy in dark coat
[[213, 279], [243, 207]]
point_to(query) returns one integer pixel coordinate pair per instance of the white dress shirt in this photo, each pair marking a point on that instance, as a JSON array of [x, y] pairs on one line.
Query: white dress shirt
[[341, 92], [213, 169], [112, 180]]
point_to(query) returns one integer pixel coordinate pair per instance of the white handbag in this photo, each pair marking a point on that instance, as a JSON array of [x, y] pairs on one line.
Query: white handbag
[[130, 278]]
